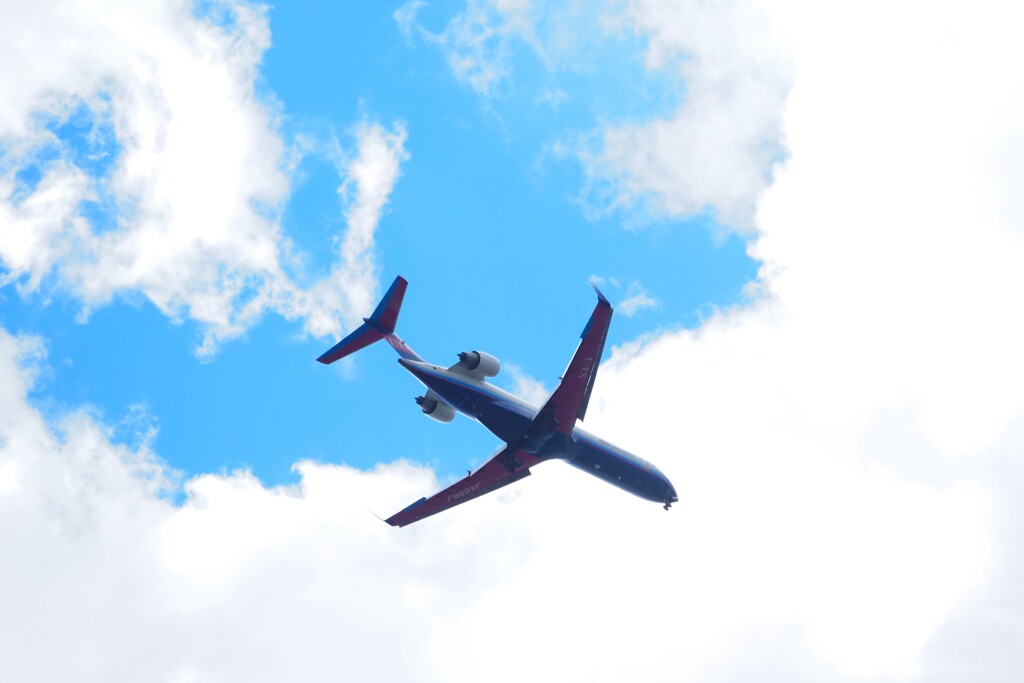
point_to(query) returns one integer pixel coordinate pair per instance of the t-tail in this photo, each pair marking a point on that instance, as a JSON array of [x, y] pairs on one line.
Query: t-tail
[[380, 325]]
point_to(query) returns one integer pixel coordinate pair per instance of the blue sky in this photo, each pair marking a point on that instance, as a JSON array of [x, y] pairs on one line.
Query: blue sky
[[816, 338], [492, 228]]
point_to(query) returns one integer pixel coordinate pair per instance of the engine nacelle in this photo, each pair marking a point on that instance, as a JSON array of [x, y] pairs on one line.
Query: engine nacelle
[[434, 408], [479, 363]]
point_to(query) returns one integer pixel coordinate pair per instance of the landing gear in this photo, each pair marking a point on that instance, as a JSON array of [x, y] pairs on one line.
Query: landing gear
[[668, 505]]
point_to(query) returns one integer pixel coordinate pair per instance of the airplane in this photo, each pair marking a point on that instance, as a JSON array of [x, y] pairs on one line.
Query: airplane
[[530, 435]]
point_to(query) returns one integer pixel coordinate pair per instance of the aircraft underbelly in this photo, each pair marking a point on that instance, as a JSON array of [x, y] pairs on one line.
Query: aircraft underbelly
[[509, 422]]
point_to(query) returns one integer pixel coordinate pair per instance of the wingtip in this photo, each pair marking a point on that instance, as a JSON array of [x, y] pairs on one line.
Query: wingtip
[[386, 521], [601, 297]]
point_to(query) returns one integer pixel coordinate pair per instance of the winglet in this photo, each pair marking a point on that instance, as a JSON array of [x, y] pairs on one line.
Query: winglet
[[602, 302], [378, 326], [402, 517]]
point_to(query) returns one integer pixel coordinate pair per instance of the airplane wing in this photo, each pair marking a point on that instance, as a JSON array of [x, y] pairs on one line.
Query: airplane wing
[[570, 399], [491, 476]]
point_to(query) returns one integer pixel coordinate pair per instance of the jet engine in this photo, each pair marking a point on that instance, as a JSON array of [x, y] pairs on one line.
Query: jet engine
[[479, 363], [434, 408]]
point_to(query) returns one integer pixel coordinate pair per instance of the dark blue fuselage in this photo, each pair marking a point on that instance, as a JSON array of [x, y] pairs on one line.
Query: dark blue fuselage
[[508, 417]]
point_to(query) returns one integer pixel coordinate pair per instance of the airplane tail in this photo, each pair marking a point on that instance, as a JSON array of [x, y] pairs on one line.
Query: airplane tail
[[380, 325]]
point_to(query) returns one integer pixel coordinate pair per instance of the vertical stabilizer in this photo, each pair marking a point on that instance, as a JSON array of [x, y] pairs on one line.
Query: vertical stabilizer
[[385, 316]]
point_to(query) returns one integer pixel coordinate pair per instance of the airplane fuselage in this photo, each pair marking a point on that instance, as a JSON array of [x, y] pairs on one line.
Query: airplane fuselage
[[530, 435], [509, 417]]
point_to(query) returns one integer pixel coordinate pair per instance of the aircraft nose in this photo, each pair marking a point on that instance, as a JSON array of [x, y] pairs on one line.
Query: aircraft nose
[[670, 494]]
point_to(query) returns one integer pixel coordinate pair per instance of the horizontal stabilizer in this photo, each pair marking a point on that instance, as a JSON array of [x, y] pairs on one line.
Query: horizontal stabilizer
[[363, 336]]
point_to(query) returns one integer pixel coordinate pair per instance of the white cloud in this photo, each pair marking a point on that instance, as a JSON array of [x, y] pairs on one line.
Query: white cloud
[[553, 97], [527, 387], [833, 563], [474, 43], [200, 178], [405, 18], [349, 290], [877, 376], [240, 581], [477, 42], [845, 439], [846, 450], [637, 299], [637, 302], [716, 151]]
